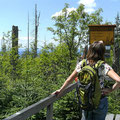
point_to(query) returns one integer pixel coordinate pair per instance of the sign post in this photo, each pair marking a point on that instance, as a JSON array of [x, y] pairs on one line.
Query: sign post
[[106, 34]]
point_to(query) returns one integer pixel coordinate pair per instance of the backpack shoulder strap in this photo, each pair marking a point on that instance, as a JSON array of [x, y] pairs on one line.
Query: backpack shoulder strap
[[84, 63], [99, 63]]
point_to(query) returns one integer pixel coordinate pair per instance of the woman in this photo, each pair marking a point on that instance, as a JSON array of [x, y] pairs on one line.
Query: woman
[[96, 52]]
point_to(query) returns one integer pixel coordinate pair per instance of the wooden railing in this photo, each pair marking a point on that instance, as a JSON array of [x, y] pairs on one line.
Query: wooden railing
[[48, 102], [35, 108]]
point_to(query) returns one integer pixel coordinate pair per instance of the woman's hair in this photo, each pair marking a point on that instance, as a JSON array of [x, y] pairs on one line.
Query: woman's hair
[[96, 51]]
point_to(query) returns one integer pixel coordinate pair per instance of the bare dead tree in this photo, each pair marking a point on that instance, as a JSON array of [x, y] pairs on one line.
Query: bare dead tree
[[37, 16], [14, 54], [28, 33]]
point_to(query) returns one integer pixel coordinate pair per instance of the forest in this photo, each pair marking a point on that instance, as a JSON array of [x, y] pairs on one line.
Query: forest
[[35, 78]]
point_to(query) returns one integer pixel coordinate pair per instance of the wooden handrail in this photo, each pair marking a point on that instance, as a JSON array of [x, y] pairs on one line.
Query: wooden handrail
[[35, 108]]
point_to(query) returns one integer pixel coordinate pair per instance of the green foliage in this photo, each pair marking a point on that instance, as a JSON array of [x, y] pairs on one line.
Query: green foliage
[[67, 108], [114, 102], [35, 78], [72, 27]]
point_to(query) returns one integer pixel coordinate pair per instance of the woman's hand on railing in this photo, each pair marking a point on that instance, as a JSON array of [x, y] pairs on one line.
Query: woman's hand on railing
[[57, 92]]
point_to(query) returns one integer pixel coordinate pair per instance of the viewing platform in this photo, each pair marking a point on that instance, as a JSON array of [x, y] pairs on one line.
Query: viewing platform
[[48, 102]]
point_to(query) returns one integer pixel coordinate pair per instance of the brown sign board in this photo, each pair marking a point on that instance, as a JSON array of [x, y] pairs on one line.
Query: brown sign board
[[102, 32]]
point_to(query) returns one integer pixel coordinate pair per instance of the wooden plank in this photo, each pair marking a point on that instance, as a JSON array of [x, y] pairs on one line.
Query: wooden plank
[[109, 117], [117, 117], [35, 108]]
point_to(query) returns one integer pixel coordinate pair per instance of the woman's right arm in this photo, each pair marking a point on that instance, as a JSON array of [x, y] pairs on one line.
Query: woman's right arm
[[67, 82], [69, 79]]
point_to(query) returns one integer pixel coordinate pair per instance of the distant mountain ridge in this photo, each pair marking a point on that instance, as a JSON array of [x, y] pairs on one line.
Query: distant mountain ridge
[[22, 50]]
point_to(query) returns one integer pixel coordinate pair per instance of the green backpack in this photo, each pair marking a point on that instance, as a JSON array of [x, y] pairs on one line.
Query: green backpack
[[89, 86]]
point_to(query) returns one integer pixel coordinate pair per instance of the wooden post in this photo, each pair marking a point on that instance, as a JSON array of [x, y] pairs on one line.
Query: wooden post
[[116, 48], [116, 57], [40, 105], [49, 112]]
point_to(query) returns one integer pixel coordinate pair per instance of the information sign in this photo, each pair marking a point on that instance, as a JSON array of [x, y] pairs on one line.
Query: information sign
[[102, 32]]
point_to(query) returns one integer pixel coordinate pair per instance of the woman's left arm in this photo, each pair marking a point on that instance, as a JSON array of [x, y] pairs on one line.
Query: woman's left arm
[[115, 77], [111, 73]]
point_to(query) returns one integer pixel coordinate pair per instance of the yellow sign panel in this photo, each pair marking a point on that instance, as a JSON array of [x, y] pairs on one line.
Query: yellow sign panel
[[102, 32]]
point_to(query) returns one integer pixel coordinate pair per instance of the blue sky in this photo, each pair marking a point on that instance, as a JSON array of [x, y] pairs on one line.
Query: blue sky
[[15, 12]]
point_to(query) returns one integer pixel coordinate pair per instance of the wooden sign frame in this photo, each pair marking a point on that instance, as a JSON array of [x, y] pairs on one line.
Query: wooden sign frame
[[101, 32]]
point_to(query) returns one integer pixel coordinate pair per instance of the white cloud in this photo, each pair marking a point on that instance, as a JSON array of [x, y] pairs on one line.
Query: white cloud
[[89, 10], [61, 13], [57, 14], [25, 38], [23, 41], [71, 9], [89, 5], [48, 41]]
